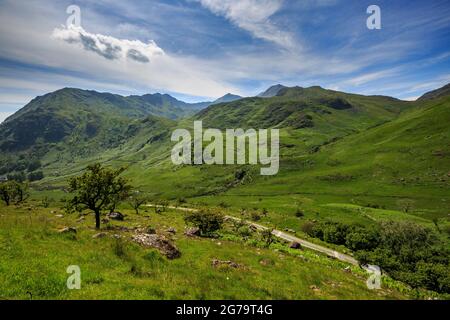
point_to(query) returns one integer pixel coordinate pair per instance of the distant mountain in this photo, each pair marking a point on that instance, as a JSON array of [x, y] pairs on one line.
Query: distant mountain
[[272, 91], [444, 91], [227, 98]]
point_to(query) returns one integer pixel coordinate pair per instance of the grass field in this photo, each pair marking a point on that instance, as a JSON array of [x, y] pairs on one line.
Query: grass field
[[35, 257]]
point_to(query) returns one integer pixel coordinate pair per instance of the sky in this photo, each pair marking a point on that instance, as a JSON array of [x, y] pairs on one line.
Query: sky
[[198, 50]]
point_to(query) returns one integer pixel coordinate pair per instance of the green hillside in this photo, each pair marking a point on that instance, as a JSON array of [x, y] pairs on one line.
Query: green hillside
[[344, 158]]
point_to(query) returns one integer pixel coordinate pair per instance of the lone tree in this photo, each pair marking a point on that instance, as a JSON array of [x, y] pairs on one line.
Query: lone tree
[[97, 189], [13, 191], [136, 200]]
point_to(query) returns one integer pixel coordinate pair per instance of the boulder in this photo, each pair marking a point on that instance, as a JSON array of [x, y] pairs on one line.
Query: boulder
[[172, 230], [67, 230], [159, 242], [99, 235], [295, 245], [81, 219], [116, 216], [192, 232], [218, 263]]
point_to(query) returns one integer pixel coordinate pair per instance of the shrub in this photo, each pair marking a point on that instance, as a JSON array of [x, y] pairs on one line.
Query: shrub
[[255, 216], [267, 236], [208, 222], [244, 231], [308, 228], [45, 202], [36, 176], [362, 239], [299, 213]]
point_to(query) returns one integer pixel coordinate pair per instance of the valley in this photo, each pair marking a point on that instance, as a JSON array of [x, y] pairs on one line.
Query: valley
[[346, 160]]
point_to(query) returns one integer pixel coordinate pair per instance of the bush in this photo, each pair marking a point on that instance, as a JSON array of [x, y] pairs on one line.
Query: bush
[[267, 236], [208, 222], [299, 213], [407, 251], [36, 176], [362, 239], [244, 232], [255, 216], [308, 228]]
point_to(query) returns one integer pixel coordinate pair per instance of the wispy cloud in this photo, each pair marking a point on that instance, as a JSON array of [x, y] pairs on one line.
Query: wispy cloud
[[254, 17]]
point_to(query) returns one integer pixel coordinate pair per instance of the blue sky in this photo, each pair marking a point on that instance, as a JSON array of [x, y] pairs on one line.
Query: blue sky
[[202, 49]]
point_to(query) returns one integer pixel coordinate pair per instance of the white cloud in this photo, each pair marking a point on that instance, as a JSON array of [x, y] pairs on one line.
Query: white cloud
[[96, 57], [109, 47], [254, 17]]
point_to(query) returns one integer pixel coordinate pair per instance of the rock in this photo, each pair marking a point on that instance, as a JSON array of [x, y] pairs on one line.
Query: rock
[[218, 263], [67, 230], [295, 245], [116, 216], [289, 230], [99, 235], [172, 230], [53, 212], [266, 262], [117, 236], [150, 230], [81, 219], [192, 232], [105, 220], [59, 216], [314, 288], [158, 242]]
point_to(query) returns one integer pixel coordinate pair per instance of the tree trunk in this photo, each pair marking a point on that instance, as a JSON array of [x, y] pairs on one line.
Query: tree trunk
[[97, 220]]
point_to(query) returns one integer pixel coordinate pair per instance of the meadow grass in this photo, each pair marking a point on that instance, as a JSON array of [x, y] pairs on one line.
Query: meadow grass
[[34, 258]]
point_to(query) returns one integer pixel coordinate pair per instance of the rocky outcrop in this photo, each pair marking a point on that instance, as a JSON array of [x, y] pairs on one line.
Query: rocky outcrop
[[116, 216], [159, 242], [192, 232]]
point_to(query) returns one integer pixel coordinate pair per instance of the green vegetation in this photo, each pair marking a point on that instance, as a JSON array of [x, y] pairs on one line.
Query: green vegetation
[[35, 258], [352, 167], [208, 222], [13, 192], [405, 250]]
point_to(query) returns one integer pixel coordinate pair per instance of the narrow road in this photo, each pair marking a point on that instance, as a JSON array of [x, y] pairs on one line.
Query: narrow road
[[287, 237]]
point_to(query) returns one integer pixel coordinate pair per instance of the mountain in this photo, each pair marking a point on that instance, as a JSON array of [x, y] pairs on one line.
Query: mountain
[[82, 118], [441, 92], [227, 98], [69, 128], [272, 91], [314, 107]]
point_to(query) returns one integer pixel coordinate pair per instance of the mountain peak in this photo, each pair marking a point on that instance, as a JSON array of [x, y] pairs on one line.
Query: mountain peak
[[229, 97], [272, 91]]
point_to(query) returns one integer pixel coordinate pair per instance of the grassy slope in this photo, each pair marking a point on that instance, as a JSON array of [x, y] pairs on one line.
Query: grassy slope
[[35, 258], [404, 161], [401, 163]]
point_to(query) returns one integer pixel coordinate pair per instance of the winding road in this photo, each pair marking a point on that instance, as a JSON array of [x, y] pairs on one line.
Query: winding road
[[287, 237]]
